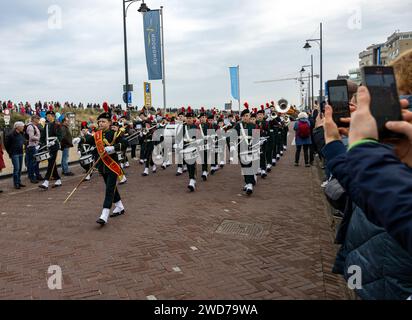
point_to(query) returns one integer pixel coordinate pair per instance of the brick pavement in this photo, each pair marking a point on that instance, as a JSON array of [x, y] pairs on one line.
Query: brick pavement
[[135, 256]]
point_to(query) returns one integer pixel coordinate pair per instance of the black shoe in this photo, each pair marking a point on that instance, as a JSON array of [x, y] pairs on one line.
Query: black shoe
[[1, 191], [17, 186], [101, 222], [269, 169], [249, 192], [178, 174], [22, 185], [56, 186], [263, 176], [307, 165], [296, 164], [68, 174], [164, 167], [116, 214], [34, 181], [212, 172], [43, 187], [191, 188]]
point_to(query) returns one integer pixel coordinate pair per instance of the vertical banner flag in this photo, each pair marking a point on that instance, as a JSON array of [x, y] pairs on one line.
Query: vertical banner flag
[[147, 94], [234, 80], [151, 26]]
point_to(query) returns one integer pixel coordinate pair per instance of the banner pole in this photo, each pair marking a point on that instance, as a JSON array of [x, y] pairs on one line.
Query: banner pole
[[163, 62], [238, 83]]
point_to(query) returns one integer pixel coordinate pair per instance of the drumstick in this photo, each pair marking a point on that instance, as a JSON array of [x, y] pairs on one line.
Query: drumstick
[[81, 181]]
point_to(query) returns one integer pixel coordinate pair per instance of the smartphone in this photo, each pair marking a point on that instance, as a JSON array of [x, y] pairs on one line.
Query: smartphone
[[338, 99], [385, 105]]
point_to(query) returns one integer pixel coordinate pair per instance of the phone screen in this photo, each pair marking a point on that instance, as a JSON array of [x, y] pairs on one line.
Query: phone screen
[[339, 100], [385, 104], [338, 97]]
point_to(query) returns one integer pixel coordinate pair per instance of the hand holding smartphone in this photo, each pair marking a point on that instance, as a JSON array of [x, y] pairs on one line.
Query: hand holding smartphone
[[385, 105], [338, 99]]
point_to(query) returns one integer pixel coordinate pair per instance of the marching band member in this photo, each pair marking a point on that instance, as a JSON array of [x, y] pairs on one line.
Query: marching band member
[[149, 144], [181, 119], [107, 143], [82, 148], [51, 136], [190, 131], [261, 124], [204, 126], [244, 130]]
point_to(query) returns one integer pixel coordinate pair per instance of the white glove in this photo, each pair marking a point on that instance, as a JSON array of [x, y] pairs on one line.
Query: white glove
[[232, 149], [79, 153], [37, 147], [52, 143], [76, 140], [109, 150]]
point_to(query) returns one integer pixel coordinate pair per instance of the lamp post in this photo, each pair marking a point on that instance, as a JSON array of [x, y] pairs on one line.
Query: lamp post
[[310, 101], [307, 47], [143, 8]]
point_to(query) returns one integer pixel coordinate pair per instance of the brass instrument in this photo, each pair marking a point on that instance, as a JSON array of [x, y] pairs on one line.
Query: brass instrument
[[282, 106]]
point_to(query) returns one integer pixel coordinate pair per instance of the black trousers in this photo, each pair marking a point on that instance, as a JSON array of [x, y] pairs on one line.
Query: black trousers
[[142, 151], [148, 154], [205, 164], [263, 156], [305, 153], [269, 149], [112, 194], [191, 168], [52, 166]]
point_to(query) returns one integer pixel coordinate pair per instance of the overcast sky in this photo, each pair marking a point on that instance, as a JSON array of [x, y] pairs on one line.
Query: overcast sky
[[84, 59]]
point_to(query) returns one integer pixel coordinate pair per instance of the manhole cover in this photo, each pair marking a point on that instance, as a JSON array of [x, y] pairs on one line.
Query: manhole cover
[[243, 230]]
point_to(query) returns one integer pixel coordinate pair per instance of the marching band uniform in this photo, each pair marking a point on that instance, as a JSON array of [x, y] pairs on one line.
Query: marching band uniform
[[82, 149], [204, 126], [190, 132], [245, 132], [51, 136], [107, 144], [264, 133], [149, 144]]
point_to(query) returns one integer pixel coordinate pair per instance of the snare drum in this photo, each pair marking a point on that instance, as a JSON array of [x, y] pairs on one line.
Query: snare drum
[[86, 160], [190, 154], [119, 156], [249, 156], [42, 156]]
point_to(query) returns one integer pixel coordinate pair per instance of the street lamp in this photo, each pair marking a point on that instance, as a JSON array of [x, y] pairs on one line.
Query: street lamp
[[310, 102], [307, 46], [128, 87]]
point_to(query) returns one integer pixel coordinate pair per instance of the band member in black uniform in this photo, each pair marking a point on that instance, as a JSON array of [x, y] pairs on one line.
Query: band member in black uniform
[[262, 125], [190, 132], [143, 118], [51, 136], [107, 145], [181, 167], [220, 145], [204, 126], [148, 143], [244, 131], [82, 147]]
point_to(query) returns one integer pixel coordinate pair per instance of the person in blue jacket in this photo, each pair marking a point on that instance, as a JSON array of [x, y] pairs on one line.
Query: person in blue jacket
[[379, 237], [303, 138]]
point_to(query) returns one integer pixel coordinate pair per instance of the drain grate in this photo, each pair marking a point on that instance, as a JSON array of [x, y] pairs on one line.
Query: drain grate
[[244, 230]]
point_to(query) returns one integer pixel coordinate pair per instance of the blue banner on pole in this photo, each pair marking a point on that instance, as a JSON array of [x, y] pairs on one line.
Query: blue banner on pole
[[234, 81], [152, 41]]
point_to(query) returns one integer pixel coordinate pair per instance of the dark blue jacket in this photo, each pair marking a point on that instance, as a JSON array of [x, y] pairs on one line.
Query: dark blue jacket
[[376, 235], [379, 184], [14, 143]]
